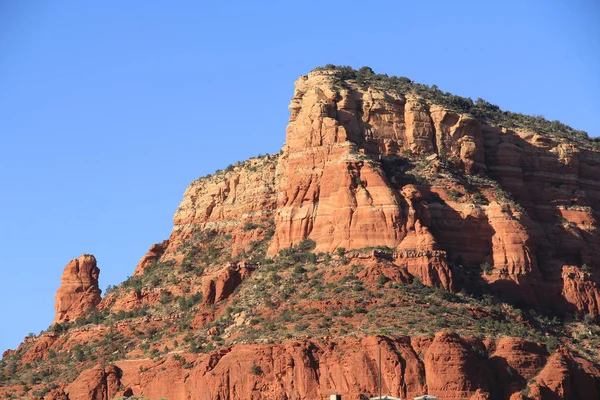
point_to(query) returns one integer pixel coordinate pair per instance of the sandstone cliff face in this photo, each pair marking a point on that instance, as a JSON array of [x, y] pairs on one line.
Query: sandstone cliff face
[[557, 184], [230, 202], [98, 383], [449, 354], [564, 378], [346, 178], [447, 366], [79, 290], [331, 185], [341, 180]]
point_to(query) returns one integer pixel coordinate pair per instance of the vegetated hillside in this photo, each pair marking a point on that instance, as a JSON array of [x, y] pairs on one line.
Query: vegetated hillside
[[460, 239]]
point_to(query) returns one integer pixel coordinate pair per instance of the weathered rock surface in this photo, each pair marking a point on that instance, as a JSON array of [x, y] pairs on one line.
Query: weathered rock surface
[[224, 283], [228, 202], [455, 369], [98, 383], [78, 291], [328, 187], [341, 181], [449, 367], [154, 253], [564, 378]]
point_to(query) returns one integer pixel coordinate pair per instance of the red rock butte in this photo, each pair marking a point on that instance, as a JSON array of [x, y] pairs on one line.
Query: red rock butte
[[527, 205], [459, 239]]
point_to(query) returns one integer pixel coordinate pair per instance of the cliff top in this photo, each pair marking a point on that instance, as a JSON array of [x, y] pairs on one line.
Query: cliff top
[[480, 109]]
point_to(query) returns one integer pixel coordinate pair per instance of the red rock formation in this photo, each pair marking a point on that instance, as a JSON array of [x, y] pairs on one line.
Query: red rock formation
[[208, 292], [453, 368], [516, 361], [334, 186], [329, 190], [230, 279], [79, 291], [98, 383], [448, 366], [153, 253], [581, 291], [564, 378], [557, 185], [364, 167], [56, 394], [227, 202], [224, 282], [342, 181]]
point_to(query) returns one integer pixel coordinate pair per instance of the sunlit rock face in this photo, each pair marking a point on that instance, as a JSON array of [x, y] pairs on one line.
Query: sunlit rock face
[[78, 292]]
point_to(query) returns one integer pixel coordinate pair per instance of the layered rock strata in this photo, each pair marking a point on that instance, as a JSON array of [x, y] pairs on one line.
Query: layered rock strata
[[447, 366], [78, 292]]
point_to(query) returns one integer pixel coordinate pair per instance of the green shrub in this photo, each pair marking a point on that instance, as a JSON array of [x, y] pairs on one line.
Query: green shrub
[[166, 297], [300, 253], [299, 269], [187, 264], [487, 268], [256, 369], [301, 327], [250, 226], [454, 194], [480, 199], [180, 359], [133, 282], [109, 289], [552, 344], [346, 313], [382, 280], [60, 328], [585, 268], [79, 355], [306, 245]]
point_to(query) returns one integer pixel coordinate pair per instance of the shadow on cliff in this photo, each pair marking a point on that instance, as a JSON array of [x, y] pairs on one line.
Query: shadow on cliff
[[467, 240], [548, 179]]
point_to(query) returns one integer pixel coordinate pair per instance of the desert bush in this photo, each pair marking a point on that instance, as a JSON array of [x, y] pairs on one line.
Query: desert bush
[[487, 268]]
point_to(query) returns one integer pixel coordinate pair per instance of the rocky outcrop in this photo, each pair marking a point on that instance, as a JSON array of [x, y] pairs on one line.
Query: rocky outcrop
[[517, 361], [341, 180], [98, 383], [455, 368], [564, 378], [78, 291], [230, 279], [238, 201], [226, 281], [448, 366], [153, 254], [331, 186], [327, 189], [581, 291]]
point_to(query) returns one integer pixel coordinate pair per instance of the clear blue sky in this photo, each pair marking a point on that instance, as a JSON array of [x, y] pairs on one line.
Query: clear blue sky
[[108, 109]]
